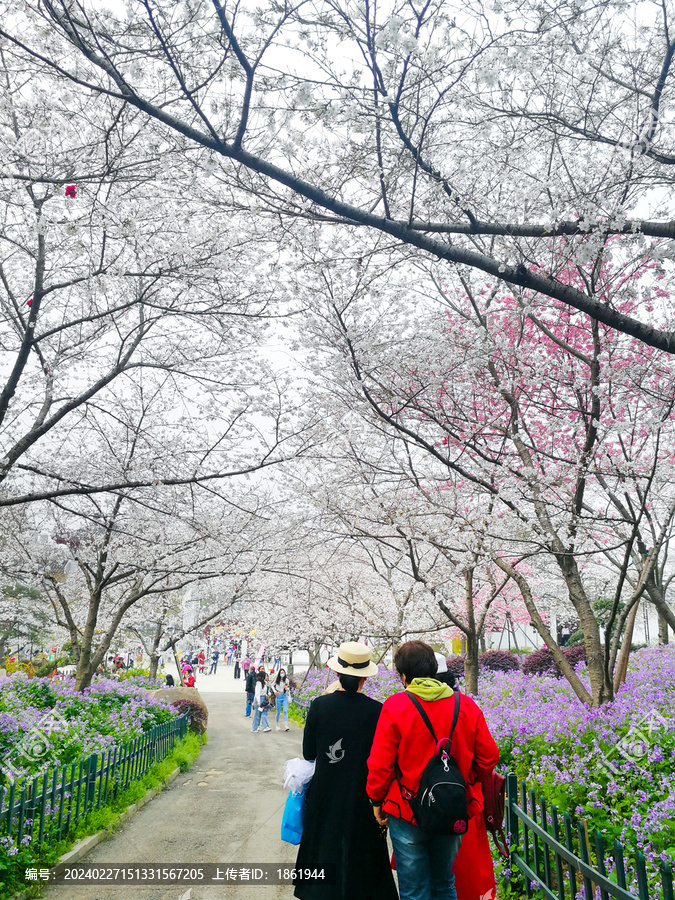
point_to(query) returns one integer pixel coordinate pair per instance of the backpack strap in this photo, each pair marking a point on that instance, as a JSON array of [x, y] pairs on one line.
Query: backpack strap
[[425, 717], [427, 721]]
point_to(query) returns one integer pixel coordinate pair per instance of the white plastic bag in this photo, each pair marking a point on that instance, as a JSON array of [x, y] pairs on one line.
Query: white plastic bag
[[297, 774]]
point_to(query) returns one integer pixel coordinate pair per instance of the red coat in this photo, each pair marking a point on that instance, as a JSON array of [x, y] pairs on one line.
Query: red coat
[[403, 738]]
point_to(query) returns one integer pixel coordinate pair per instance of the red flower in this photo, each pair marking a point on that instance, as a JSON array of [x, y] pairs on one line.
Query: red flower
[[71, 190], [29, 302], [444, 441]]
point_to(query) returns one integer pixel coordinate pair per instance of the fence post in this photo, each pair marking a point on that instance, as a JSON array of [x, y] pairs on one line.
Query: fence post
[[667, 881], [511, 817], [92, 767], [643, 887], [22, 812], [43, 806], [10, 808]]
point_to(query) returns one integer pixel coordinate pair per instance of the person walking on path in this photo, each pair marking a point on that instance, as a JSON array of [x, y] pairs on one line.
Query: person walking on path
[[237, 667], [261, 703], [281, 689], [246, 665], [215, 655], [339, 830], [249, 687], [401, 749]]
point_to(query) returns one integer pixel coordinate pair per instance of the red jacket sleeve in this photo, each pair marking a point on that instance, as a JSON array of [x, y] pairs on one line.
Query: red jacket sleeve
[[485, 750], [383, 755]]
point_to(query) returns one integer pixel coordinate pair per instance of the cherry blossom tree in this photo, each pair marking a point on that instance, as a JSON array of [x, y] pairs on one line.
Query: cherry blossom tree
[[551, 428], [116, 270], [376, 505], [24, 619], [101, 554], [425, 124]]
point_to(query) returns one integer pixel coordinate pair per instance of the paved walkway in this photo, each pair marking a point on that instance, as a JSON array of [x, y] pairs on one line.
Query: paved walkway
[[223, 681], [226, 809]]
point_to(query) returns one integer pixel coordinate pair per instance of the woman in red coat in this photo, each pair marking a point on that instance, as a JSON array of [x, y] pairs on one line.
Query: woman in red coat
[[474, 869], [401, 749]]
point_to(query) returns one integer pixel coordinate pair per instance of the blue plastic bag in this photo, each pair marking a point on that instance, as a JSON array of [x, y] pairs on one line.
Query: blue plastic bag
[[294, 817]]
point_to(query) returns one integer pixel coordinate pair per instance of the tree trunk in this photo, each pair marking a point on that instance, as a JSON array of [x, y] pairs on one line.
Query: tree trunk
[[656, 596], [471, 666], [602, 689], [663, 630], [471, 658], [83, 675], [154, 648], [624, 653], [557, 654]]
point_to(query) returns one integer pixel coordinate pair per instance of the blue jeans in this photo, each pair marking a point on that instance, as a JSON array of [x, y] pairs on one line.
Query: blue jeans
[[423, 862], [249, 702], [257, 715], [282, 703]]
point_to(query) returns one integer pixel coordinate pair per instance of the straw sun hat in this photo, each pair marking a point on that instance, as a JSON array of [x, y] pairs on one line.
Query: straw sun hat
[[353, 659]]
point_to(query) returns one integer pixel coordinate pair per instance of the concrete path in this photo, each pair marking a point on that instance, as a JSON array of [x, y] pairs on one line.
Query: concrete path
[[226, 809]]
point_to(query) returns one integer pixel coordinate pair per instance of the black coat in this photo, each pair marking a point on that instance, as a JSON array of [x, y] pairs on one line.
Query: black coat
[[340, 829]]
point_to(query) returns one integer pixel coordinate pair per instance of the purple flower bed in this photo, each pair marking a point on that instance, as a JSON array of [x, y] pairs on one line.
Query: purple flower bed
[[45, 721], [614, 766]]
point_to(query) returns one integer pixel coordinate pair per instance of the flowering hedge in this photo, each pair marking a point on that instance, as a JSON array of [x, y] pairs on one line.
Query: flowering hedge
[[613, 766], [45, 721]]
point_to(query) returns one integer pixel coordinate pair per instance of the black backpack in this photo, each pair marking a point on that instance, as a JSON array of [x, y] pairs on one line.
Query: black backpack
[[439, 805]]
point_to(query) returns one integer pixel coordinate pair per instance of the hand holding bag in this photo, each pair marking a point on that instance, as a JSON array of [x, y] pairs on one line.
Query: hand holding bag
[[297, 777], [294, 817]]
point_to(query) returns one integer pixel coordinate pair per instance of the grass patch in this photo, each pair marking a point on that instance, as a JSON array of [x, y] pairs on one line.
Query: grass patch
[[12, 868], [297, 714]]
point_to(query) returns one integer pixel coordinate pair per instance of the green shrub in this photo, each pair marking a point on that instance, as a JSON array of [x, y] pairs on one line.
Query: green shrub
[[499, 661], [297, 714]]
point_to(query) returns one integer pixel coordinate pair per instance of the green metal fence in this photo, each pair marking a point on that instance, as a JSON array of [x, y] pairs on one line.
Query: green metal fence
[[562, 860], [46, 807]]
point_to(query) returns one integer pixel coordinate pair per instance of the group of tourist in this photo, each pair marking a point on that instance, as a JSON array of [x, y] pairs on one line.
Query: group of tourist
[[370, 758], [264, 692]]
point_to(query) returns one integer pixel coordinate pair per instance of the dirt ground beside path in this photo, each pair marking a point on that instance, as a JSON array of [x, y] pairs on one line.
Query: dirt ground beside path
[[226, 809]]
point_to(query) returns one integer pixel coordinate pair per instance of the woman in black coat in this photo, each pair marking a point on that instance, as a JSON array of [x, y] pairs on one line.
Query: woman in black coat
[[340, 833]]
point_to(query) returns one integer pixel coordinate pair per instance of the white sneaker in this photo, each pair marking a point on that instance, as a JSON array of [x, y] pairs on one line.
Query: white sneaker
[[287, 728], [255, 731], [267, 729], [278, 729]]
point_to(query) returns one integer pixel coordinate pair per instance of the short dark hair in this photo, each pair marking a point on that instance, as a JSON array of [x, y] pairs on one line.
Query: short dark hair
[[350, 683], [415, 659]]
